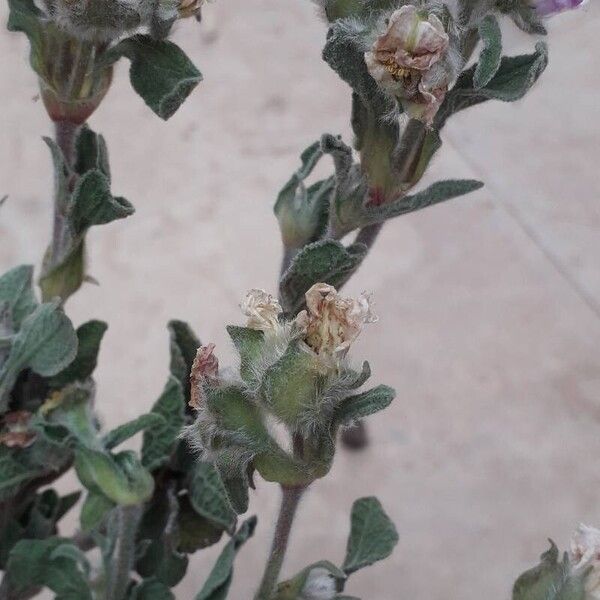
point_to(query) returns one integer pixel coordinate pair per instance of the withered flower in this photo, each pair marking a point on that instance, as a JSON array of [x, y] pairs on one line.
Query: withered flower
[[331, 323], [205, 369], [16, 433], [585, 555], [262, 310], [402, 61]]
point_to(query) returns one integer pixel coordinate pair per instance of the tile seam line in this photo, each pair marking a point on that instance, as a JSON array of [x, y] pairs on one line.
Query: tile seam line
[[530, 232]]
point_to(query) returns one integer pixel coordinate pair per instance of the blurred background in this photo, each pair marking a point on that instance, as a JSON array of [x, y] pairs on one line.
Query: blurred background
[[489, 305]]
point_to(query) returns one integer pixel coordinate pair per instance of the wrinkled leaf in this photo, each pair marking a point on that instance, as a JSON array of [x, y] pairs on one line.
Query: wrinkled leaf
[[491, 55], [123, 432], [160, 72], [160, 442], [209, 497], [54, 563], [326, 261], [514, 78], [89, 336], [372, 535], [16, 290], [362, 405], [45, 344], [219, 580]]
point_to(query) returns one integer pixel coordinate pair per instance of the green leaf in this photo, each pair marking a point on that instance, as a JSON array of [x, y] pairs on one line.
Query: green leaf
[[353, 380], [160, 72], [120, 477], [16, 290], [209, 497], [94, 510], [550, 580], [491, 55], [301, 211], [514, 78], [46, 344], [362, 405], [54, 563], [25, 17], [184, 344], [219, 580], [248, 342], [195, 532], [326, 261], [91, 153], [123, 432], [151, 589], [372, 535], [12, 473], [160, 442], [64, 278], [93, 204], [89, 336], [434, 194]]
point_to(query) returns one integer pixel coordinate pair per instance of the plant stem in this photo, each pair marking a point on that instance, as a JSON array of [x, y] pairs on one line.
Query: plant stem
[[128, 518], [290, 499]]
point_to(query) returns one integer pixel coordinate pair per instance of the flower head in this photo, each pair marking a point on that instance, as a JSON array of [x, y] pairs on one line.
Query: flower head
[[547, 8], [331, 323], [403, 58], [585, 553], [17, 433], [262, 310]]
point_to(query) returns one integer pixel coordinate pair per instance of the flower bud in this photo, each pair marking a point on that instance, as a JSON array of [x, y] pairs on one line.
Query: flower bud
[[585, 555], [320, 585]]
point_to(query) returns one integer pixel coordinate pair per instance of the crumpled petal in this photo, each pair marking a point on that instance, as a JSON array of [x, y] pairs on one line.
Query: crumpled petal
[[262, 310], [585, 554]]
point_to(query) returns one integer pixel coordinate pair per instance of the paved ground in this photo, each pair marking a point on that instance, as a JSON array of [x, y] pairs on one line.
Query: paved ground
[[490, 305]]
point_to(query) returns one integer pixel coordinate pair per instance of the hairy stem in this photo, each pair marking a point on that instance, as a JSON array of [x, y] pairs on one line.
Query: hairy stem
[[128, 518], [290, 499]]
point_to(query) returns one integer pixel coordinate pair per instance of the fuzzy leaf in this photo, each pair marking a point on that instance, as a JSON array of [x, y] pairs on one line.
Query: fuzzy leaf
[[89, 336], [94, 510], [160, 72], [219, 580], [365, 404], [514, 78], [151, 589], [326, 261], [372, 535], [434, 194], [54, 563], [12, 473], [195, 531], [123, 432], [359, 379], [550, 580], [45, 344], [491, 55], [25, 17], [120, 477], [209, 497], [16, 290], [184, 344], [64, 278], [160, 442], [248, 342], [93, 204], [91, 153], [301, 211]]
